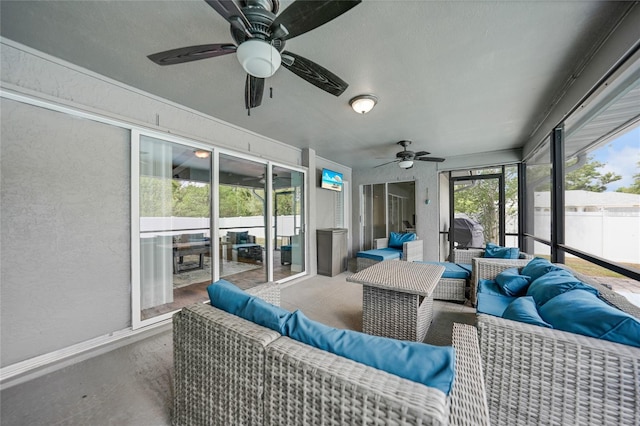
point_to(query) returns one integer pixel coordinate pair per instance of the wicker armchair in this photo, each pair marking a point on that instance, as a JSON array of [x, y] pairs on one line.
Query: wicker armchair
[[411, 251], [536, 375], [472, 256]]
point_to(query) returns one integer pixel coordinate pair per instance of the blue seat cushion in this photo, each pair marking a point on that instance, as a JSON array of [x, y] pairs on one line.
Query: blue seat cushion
[[498, 252], [524, 309], [229, 298], [430, 365], [512, 283], [380, 254], [451, 270], [554, 283], [582, 312], [491, 300], [396, 240], [466, 266]]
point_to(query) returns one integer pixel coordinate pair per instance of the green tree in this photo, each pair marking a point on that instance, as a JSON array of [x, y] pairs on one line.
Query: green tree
[[634, 188], [587, 177]]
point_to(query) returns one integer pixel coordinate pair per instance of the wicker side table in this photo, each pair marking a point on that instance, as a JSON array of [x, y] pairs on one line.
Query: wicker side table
[[397, 299]]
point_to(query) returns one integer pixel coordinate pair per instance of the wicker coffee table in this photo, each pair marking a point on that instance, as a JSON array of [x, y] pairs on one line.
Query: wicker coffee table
[[397, 298]]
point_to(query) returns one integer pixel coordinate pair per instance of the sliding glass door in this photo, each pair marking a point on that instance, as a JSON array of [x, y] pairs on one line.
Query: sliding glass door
[[174, 226], [288, 222], [241, 224]]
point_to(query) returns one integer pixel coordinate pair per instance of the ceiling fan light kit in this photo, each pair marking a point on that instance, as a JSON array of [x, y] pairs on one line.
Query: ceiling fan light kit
[[259, 37], [362, 104], [406, 158], [258, 58]]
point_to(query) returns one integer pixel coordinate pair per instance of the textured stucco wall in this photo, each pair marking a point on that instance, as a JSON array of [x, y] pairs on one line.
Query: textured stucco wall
[[65, 261], [65, 264]]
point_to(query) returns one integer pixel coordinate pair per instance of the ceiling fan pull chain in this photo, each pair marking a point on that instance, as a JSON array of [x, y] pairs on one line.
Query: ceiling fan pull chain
[[249, 112]]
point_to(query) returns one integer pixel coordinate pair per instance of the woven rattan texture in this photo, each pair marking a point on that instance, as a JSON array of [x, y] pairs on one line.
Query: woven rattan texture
[[306, 386], [536, 375], [468, 396], [397, 315], [219, 367], [408, 277], [450, 289], [363, 263]]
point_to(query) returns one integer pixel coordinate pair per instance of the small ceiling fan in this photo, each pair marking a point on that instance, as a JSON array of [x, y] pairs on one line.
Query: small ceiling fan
[[260, 38], [405, 158]]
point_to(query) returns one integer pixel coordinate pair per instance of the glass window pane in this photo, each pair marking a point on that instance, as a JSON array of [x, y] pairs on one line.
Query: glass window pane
[[538, 193], [288, 223], [175, 246], [602, 183], [242, 221]]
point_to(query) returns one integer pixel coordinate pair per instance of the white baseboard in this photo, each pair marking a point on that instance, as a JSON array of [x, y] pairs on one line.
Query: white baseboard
[[32, 368]]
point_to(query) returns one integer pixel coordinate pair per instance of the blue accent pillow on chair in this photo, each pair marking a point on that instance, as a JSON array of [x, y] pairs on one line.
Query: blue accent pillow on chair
[[524, 309], [538, 267], [555, 283], [512, 283], [396, 240], [582, 312], [430, 365], [231, 299], [498, 252]]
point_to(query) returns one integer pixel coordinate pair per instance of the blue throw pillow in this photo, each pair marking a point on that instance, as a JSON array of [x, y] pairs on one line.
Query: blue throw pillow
[[498, 252], [396, 240], [582, 312], [430, 365], [512, 283], [524, 309], [538, 267], [555, 283], [230, 298]]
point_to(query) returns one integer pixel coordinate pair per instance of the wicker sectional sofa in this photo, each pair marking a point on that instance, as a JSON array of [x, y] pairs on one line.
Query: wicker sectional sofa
[[542, 376], [229, 371]]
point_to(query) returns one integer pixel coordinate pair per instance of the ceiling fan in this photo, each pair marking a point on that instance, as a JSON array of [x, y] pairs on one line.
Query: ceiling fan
[[260, 38], [405, 158]]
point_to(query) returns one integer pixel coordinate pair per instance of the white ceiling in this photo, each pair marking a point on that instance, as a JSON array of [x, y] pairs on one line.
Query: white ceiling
[[456, 77]]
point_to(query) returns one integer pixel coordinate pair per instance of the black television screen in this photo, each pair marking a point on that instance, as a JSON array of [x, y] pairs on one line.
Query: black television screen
[[331, 180]]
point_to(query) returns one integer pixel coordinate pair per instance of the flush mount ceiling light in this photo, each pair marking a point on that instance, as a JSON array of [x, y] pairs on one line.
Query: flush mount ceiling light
[[405, 164], [258, 58], [362, 104], [201, 153]]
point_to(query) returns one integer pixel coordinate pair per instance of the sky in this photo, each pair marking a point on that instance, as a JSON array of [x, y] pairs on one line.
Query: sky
[[620, 156]]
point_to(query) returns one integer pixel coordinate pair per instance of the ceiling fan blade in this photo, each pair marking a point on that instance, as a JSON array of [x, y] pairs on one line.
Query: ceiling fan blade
[[229, 9], [315, 74], [421, 153], [302, 15], [432, 159], [191, 53], [384, 164], [253, 90]]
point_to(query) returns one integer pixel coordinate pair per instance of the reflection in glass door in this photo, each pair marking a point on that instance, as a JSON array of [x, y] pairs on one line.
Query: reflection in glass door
[[242, 227], [374, 219], [175, 222], [288, 223]]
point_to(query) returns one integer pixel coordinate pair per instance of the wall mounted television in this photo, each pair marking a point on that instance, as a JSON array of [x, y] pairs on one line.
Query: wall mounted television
[[331, 180]]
